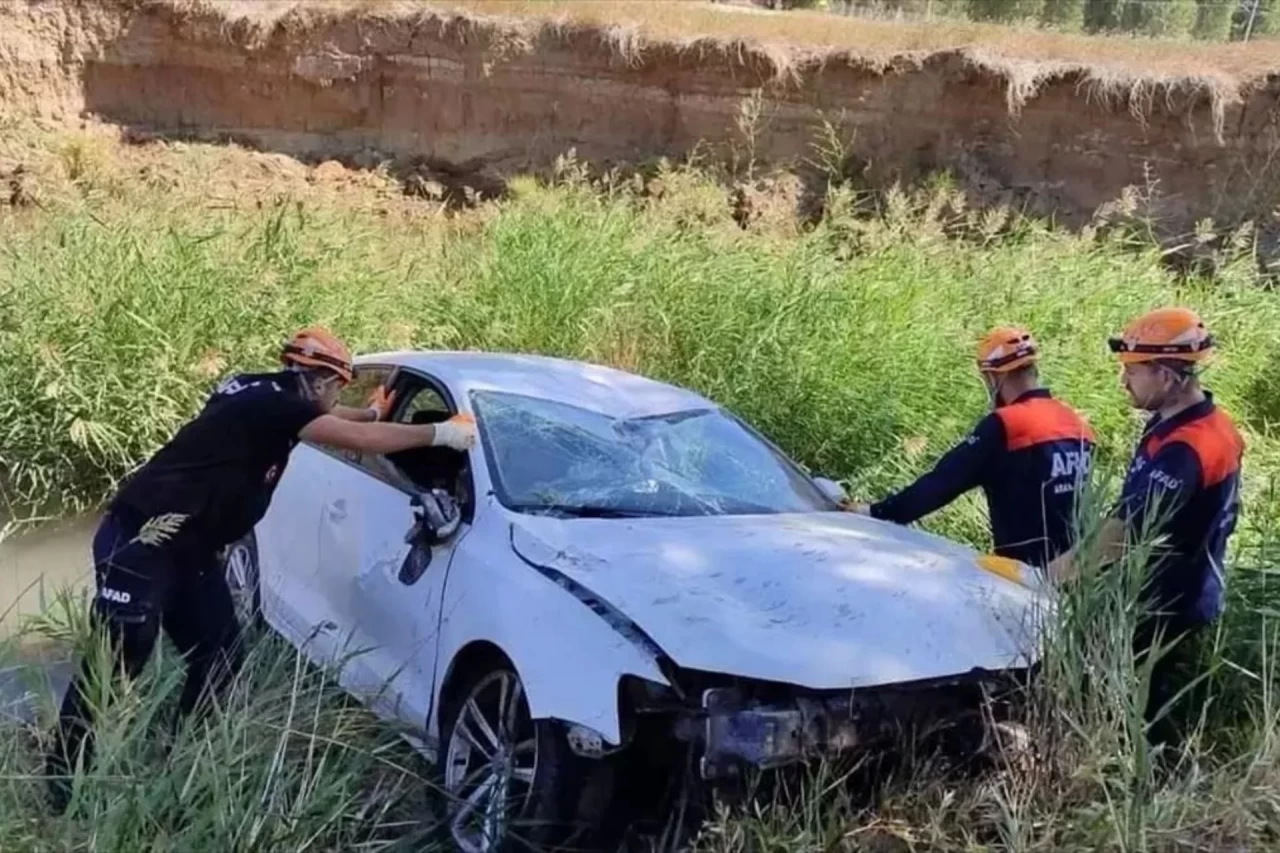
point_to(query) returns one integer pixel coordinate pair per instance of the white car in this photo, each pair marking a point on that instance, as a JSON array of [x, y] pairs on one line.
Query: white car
[[634, 569]]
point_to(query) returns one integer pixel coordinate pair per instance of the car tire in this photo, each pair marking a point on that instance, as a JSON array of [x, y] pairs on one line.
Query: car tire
[[554, 797], [241, 569]]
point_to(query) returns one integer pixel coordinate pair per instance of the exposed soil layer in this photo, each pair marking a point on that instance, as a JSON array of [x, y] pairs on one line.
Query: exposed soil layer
[[470, 94]]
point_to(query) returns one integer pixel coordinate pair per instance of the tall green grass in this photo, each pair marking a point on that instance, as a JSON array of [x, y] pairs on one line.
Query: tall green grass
[[282, 761], [852, 346], [850, 343]]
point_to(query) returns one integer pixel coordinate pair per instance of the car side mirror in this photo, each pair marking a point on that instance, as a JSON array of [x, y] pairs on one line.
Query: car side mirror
[[436, 517], [832, 490], [417, 562]]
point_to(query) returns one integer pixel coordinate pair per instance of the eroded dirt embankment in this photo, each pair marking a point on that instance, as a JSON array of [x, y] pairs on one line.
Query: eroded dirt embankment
[[474, 93]]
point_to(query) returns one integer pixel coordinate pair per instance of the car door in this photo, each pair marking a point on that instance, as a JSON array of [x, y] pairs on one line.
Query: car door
[[296, 599], [334, 479], [386, 606], [286, 540]]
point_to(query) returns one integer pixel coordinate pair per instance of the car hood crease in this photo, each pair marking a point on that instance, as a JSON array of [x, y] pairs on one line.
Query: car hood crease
[[821, 600]]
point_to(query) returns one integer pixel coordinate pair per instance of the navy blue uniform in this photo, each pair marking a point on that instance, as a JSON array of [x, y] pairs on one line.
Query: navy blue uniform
[[213, 481], [220, 470], [1030, 458], [1182, 486]]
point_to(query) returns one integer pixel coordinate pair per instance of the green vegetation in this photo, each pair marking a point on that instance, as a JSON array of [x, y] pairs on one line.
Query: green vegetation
[[849, 342], [285, 762], [1159, 18], [1213, 21], [1062, 14], [1266, 21], [1203, 20]]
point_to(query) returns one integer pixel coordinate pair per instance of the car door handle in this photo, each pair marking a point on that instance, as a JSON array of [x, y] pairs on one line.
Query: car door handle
[[337, 510]]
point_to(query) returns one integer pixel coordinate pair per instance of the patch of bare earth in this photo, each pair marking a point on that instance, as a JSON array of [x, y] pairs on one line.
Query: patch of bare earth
[[457, 95], [51, 167]]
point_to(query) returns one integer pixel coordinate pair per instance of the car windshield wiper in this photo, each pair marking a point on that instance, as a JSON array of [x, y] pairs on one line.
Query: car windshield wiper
[[588, 511]]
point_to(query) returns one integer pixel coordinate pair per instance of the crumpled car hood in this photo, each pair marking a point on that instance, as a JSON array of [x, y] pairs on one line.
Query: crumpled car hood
[[821, 600]]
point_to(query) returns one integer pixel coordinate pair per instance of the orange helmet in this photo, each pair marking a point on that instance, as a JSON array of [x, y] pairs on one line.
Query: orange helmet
[[1166, 333], [317, 347], [1005, 349]]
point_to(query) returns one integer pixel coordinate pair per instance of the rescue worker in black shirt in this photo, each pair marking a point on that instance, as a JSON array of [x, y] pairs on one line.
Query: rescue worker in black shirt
[[1029, 455], [1183, 486], [155, 550]]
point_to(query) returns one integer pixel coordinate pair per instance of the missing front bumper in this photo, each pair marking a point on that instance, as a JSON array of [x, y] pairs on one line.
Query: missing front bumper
[[734, 732], [768, 737]]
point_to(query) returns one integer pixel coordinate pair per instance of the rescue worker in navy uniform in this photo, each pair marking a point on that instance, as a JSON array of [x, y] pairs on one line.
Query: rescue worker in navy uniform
[[155, 551], [1029, 455], [1183, 485]]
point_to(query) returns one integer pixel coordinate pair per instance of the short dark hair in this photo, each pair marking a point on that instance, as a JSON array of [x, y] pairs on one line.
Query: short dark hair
[[1182, 369]]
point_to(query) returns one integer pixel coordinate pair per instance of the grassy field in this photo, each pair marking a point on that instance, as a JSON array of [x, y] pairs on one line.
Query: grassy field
[[134, 283]]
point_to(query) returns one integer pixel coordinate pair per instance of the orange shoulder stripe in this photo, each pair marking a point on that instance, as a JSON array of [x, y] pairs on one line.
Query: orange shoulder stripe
[[1040, 420], [1215, 441]]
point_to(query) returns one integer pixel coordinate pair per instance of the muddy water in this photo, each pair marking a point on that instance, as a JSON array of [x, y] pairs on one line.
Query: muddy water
[[34, 566]]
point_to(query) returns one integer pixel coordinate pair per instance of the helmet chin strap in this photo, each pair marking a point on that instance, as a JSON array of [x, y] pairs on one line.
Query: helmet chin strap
[[309, 380], [1169, 394], [1181, 380], [993, 391]]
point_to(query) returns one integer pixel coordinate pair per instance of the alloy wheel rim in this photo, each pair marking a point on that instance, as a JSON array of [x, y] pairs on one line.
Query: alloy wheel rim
[[491, 763], [241, 580]]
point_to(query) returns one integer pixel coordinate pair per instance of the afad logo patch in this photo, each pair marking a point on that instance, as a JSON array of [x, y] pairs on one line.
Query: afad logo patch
[[118, 596], [1071, 463]]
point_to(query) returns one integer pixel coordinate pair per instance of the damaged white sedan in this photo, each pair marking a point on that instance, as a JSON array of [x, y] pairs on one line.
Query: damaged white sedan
[[619, 566]]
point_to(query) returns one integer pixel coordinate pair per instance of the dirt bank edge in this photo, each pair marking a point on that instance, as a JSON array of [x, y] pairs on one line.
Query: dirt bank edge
[[477, 93]]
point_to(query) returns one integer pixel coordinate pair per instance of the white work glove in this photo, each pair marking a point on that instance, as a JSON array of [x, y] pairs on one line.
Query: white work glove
[[457, 433]]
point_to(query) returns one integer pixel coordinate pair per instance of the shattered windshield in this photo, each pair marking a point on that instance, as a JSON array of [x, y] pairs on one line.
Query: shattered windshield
[[552, 457]]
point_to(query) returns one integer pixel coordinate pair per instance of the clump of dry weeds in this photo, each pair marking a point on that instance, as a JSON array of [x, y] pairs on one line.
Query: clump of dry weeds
[[800, 35]]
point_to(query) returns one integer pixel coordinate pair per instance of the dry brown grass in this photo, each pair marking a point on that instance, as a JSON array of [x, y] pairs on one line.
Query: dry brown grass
[[100, 163], [801, 33]]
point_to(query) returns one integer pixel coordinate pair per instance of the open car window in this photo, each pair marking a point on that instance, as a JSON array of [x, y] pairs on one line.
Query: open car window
[[554, 457], [363, 382], [356, 395], [428, 467], [424, 405]]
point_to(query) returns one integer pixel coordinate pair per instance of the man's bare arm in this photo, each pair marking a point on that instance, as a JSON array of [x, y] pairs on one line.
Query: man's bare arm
[[380, 403], [457, 433], [356, 415], [1108, 548], [1111, 541]]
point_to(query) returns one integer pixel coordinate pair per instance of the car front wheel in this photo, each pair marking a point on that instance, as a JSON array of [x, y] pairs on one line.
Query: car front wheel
[[511, 781], [240, 566]]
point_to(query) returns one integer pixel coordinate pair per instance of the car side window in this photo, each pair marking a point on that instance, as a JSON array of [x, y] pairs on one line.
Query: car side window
[[417, 402], [366, 379], [356, 395], [429, 467], [424, 406]]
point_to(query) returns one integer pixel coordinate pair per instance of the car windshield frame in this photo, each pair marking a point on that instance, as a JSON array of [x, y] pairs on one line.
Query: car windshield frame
[[803, 486]]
